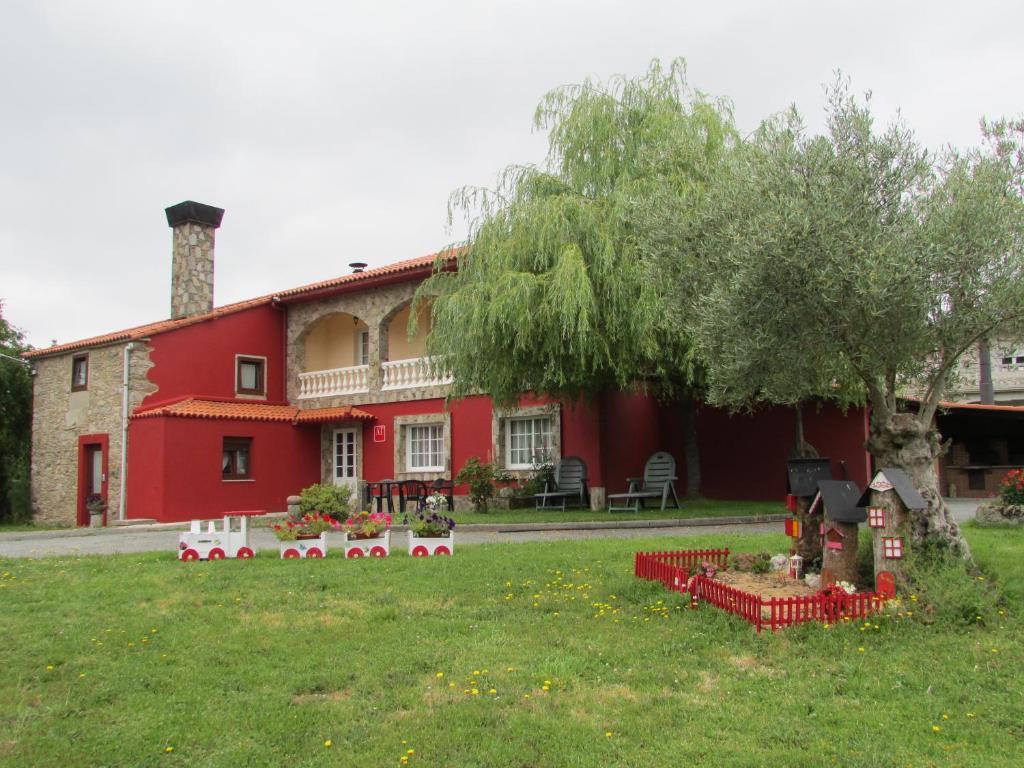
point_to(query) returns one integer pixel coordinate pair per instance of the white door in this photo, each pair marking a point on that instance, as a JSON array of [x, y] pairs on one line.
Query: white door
[[345, 458]]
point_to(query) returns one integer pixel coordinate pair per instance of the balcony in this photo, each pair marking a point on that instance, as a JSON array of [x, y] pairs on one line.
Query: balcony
[[395, 374], [407, 374], [335, 381]]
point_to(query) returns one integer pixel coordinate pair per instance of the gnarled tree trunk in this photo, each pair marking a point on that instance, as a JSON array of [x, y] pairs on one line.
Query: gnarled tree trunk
[[691, 450], [901, 440]]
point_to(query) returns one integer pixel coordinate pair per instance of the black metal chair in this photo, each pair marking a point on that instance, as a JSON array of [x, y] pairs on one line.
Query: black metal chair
[[411, 490]]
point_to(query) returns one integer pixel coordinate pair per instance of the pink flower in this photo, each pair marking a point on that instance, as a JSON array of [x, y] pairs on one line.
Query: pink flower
[[349, 522], [387, 519]]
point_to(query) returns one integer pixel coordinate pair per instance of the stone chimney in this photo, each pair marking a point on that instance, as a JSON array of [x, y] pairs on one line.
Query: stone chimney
[[194, 226]]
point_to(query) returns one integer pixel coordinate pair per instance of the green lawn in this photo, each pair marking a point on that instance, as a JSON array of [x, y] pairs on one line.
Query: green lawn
[[541, 654], [688, 510]]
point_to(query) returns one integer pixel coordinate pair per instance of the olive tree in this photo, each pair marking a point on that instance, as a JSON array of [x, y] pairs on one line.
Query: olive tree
[[556, 290], [856, 266]]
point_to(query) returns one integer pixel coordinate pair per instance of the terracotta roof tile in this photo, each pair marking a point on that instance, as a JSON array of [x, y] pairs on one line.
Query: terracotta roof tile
[[162, 326], [197, 408]]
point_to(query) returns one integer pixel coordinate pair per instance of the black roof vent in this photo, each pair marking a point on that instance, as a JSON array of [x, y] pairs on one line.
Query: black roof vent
[[357, 267]]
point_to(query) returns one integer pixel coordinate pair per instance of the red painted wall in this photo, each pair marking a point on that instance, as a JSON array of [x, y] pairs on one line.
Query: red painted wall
[[174, 467], [199, 360], [471, 424], [743, 456]]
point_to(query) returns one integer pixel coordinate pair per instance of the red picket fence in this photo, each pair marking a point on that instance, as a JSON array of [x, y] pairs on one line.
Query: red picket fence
[[673, 570], [778, 612]]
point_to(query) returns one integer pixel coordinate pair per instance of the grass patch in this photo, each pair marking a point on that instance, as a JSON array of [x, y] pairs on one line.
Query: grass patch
[[687, 511], [540, 654]]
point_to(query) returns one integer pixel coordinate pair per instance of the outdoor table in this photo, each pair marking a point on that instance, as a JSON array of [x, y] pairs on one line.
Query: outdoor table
[[381, 489]]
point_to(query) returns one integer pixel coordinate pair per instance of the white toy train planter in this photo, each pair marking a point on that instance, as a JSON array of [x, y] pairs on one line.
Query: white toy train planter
[[379, 546], [217, 544], [425, 546], [305, 548]]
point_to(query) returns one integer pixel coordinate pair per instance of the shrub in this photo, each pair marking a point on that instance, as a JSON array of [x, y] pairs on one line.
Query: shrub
[[755, 562], [335, 500], [1012, 489], [945, 591], [480, 479]]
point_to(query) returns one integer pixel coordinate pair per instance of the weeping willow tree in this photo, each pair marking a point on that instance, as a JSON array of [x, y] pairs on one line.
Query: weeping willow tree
[[858, 267], [555, 291]]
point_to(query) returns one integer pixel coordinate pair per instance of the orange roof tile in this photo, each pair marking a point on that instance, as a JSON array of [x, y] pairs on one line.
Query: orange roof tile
[[197, 408], [162, 326], [949, 404]]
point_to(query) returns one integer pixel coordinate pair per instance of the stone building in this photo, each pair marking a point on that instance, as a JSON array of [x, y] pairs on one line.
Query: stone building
[[239, 406]]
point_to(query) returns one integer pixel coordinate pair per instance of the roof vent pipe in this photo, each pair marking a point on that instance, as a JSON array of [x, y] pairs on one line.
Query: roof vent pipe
[[357, 267]]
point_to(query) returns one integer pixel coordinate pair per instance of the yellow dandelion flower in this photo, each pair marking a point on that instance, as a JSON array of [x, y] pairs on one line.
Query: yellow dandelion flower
[[608, 734], [493, 690], [410, 751], [936, 729], [439, 675], [945, 716], [168, 748], [327, 743], [861, 649], [475, 691], [49, 667]]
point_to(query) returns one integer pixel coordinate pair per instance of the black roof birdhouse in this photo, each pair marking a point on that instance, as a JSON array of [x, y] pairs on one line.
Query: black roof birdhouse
[[893, 479], [841, 500], [803, 475]]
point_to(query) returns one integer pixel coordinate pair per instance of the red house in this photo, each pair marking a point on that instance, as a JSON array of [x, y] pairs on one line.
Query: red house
[[240, 406]]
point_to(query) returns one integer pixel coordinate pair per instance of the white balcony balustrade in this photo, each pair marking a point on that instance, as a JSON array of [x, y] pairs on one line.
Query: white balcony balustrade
[[336, 381], [406, 374]]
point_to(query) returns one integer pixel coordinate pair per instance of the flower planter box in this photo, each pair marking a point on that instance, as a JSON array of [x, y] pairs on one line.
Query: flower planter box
[[301, 548], [379, 546], [424, 546]]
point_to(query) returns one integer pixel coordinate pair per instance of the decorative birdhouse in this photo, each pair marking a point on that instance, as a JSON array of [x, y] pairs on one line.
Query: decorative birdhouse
[[891, 496], [834, 538], [802, 476], [841, 514]]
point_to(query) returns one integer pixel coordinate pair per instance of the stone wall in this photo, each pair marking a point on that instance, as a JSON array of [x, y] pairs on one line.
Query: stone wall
[[60, 417], [376, 307], [192, 269]]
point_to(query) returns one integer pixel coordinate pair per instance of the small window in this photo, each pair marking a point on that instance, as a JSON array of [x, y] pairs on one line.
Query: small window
[[363, 349], [527, 442], [426, 448], [250, 376], [236, 463], [79, 373]]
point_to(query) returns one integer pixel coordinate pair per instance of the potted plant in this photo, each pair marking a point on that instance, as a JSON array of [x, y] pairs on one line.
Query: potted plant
[[431, 533], [305, 536], [96, 506], [368, 534]]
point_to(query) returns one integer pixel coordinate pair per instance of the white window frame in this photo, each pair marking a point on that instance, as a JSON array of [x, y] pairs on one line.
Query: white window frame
[[411, 444], [363, 347], [509, 463]]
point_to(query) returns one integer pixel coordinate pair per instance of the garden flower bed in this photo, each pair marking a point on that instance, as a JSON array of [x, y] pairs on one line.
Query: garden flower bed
[[686, 571]]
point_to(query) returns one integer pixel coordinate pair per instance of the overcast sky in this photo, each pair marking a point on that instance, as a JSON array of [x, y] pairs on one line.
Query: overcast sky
[[334, 132]]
